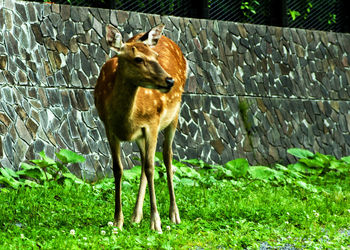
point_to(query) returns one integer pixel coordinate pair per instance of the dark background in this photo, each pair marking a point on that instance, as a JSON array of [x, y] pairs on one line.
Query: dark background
[[331, 15]]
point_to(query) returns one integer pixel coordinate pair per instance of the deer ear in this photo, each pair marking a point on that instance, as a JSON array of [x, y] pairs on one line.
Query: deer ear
[[151, 37], [114, 38]]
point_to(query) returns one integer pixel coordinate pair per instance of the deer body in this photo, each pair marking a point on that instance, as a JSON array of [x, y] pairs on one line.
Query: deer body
[[138, 93]]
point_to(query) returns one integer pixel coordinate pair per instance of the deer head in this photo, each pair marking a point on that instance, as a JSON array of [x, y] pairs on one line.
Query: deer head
[[138, 61]]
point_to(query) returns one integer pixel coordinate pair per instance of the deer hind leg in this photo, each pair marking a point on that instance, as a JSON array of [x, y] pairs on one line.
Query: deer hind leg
[[138, 214], [168, 157], [118, 173], [150, 136]]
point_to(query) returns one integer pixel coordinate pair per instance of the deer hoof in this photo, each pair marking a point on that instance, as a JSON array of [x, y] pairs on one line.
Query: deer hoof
[[136, 217], [119, 221], [175, 218], [155, 223], [174, 215]]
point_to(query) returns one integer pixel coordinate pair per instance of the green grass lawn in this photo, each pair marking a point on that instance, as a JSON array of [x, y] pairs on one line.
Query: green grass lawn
[[303, 205], [222, 215]]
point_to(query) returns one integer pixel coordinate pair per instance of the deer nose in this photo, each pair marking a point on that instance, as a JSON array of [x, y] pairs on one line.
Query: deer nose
[[169, 81]]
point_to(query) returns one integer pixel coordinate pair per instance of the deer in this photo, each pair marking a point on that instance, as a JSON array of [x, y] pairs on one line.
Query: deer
[[138, 94]]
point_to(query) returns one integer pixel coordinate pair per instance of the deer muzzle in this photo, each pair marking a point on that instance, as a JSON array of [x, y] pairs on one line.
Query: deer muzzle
[[169, 84]]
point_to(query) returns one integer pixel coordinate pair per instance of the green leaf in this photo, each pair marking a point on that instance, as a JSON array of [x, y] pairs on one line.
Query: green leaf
[[239, 167], [67, 156], [324, 159], [300, 153], [30, 183], [105, 184], [176, 179], [188, 182], [178, 164], [72, 177], [222, 172], [8, 172], [303, 168], [46, 164], [295, 170], [158, 157], [281, 167], [133, 173], [188, 172], [279, 175], [3, 189], [340, 166], [337, 164], [156, 175], [298, 167], [262, 173], [307, 186], [126, 185], [31, 171], [294, 14], [312, 163], [25, 166], [62, 167], [47, 159], [195, 162], [10, 181], [346, 159]]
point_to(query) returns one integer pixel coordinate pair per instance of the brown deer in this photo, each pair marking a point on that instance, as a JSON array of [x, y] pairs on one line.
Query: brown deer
[[138, 93]]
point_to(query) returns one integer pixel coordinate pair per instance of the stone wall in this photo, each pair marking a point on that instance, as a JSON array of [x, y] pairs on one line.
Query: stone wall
[[253, 91]]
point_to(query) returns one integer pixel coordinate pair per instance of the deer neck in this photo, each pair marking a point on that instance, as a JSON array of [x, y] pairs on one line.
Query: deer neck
[[124, 95]]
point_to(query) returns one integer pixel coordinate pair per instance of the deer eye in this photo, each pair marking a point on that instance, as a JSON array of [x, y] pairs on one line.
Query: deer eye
[[138, 59]]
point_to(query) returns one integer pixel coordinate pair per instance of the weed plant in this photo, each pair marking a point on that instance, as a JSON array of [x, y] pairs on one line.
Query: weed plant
[[302, 205]]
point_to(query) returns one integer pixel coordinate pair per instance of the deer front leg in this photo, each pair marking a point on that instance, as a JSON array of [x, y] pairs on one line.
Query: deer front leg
[[150, 148], [138, 214], [118, 173], [168, 157]]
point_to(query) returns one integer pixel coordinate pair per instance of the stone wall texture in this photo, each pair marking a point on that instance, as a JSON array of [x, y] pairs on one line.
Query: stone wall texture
[[253, 91]]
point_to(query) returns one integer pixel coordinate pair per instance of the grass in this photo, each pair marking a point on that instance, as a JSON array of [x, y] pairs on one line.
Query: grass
[[251, 215], [302, 205]]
